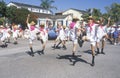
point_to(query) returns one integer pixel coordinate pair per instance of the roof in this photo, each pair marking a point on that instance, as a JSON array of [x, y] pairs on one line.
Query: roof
[[81, 11], [42, 15], [27, 5], [53, 17]]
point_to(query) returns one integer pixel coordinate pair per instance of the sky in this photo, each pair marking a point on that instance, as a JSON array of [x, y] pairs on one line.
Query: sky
[[63, 5]]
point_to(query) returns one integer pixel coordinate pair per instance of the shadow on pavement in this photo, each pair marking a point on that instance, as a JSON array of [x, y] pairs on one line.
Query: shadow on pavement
[[73, 59], [88, 51], [40, 52]]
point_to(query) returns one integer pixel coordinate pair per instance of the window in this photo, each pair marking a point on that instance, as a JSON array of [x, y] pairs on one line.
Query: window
[[35, 10]]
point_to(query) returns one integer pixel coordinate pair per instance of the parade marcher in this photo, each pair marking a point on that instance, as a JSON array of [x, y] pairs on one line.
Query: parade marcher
[[3, 37], [32, 33], [43, 36], [74, 26], [61, 36], [91, 35], [15, 33], [119, 34], [112, 29], [101, 35], [115, 35], [8, 34]]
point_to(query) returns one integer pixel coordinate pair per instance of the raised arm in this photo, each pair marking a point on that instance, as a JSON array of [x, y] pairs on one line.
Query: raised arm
[[28, 17], [108, 21]]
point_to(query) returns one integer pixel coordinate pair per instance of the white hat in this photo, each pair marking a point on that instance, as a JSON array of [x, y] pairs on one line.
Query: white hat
[[1, 26], [114, 25]]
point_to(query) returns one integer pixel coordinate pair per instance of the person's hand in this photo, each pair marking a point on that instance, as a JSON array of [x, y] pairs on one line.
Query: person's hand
[[28, 15]]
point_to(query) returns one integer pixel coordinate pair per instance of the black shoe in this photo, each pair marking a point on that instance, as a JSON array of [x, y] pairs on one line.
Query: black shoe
[[102, 53], [42, 51], [6, 45], [73, 54], [64, 48], [80, 42], [3, 46], [54, 46], [97, 53], [39, 52], [15, 42], [38, 38], [57, 47], [93, 63], [32, 53]]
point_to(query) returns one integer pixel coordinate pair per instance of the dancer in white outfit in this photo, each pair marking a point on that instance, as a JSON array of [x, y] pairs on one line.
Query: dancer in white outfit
[[91, 35], [101, 35], [4, 36], [32, 33], [74, 27], [43, 36], [61, 36], [15, 33]]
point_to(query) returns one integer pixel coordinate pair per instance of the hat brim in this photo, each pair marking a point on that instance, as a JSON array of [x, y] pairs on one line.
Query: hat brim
[[32, 23]]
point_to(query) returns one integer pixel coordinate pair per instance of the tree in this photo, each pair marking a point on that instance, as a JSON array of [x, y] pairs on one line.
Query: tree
[[113, 11], [17, 16], [92, 12], [2, 8], [47, 4], [2, 11]]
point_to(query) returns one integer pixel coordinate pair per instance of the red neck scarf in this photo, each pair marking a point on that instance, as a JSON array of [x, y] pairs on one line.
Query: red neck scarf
[[90, 25], [42, 30], [101, 26], [32, 27]]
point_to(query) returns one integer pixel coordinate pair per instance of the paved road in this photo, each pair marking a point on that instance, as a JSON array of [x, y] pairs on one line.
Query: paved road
[[58, 63]]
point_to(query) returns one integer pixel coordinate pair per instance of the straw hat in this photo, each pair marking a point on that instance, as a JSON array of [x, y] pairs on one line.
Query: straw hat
[[75, 19], [42, 25], [1, 26], [32, 23], [91, 17], [64, 26], [114, 25]]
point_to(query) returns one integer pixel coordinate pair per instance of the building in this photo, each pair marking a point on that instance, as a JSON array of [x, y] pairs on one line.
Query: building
[[31, 8], [45, 15], [74, 12]]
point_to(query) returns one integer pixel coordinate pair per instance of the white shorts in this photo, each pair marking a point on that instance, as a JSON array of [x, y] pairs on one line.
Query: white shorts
[[92, 40]]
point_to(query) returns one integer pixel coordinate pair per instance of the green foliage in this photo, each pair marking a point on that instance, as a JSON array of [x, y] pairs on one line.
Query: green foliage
[[114, 12], [95, 13], [47, 4], [2, 8]]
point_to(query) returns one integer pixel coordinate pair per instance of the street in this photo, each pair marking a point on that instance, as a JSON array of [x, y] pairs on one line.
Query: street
[[15, 62]]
